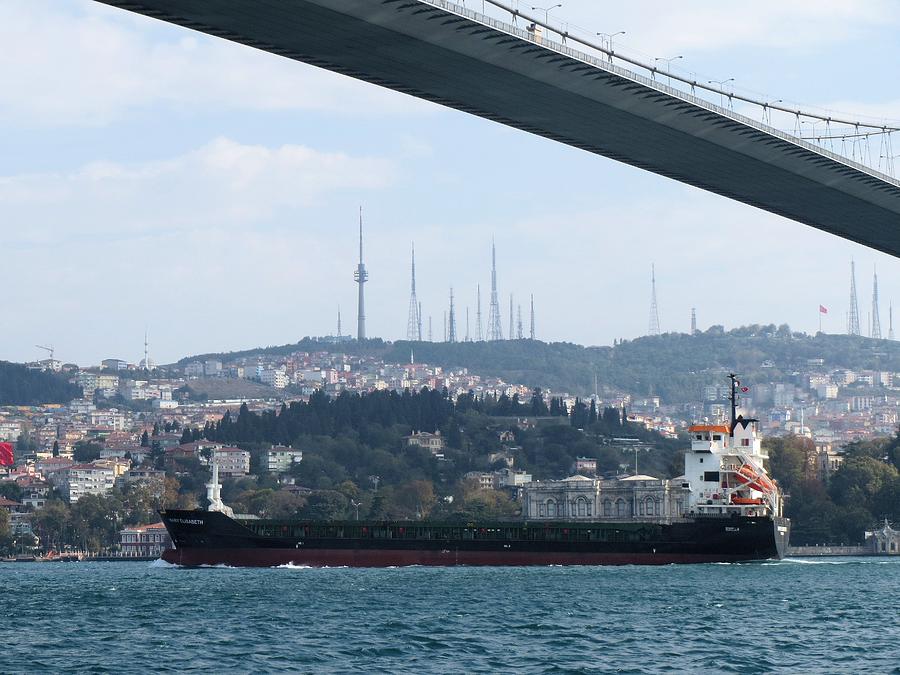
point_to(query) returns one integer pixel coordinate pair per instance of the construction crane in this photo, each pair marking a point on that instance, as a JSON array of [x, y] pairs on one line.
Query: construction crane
[[49, 350]]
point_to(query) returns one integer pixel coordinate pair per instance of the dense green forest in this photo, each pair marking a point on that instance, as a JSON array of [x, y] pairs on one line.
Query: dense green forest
[[674, 366], [22, 386]]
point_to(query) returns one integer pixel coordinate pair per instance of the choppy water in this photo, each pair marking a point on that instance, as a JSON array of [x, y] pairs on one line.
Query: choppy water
[[822, 616]]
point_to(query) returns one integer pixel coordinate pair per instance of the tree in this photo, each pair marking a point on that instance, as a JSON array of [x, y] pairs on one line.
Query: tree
[[145, 439], [86, 452], [51, 524], [56, 448], [324, 505]]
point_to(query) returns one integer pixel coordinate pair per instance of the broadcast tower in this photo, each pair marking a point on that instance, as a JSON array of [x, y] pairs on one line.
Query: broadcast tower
[[361, 277], [495, 331]]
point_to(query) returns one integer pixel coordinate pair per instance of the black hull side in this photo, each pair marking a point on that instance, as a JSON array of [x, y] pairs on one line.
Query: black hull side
[[211, 538]]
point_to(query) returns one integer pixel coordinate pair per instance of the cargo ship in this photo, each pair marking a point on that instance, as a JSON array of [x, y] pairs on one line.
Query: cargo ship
[[732, 512]]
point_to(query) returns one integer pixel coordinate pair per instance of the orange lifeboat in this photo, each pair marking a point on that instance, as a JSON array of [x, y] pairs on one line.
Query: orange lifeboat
[[746, 475], [748, 501]]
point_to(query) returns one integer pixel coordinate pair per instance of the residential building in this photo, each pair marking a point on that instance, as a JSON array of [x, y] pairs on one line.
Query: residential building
[[233, 462], [279, 459], [429, 441], [83, 479]]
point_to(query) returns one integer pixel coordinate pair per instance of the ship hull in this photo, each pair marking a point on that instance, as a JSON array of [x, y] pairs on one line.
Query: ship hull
[[204, 538]]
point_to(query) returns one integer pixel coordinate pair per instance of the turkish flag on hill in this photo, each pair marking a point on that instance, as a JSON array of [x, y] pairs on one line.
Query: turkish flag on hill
[[6, 454]]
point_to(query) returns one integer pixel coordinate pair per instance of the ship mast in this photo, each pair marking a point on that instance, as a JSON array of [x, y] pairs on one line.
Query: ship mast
[[733, 398]]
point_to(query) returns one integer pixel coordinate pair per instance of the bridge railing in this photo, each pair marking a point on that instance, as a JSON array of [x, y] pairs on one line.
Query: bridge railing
[[608, 66]]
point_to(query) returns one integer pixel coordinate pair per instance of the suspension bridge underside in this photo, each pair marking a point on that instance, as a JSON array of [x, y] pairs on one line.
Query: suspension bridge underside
[[432, 53]]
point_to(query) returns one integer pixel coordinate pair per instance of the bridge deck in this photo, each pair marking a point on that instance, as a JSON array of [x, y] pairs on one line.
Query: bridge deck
[[451, 56]]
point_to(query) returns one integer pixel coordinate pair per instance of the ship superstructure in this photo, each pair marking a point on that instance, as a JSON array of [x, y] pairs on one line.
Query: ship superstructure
[[724, 470]]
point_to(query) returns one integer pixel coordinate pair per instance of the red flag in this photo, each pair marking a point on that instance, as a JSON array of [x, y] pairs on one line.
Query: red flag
[[745, 389], [823, 309], [6, 454]]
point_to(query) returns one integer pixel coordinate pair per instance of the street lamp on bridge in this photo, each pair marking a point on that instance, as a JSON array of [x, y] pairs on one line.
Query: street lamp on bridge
[[721, 84], [609, 41], [546, 11], [668, 65]]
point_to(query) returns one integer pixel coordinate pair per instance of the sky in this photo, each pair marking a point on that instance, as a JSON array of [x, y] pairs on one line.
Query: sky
[[156, 179]]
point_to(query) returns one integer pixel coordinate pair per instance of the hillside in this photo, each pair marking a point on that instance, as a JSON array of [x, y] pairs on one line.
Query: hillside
[[674, 366], [22, 386]]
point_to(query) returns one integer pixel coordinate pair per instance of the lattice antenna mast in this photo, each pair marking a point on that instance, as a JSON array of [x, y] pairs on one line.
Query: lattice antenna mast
[[520, 334], [876, 315], [339, 321], [360, 276], [479, 333], [654, 309], [693, 320], [853, 319], [495, 331], [146, 351], [468, 337], [891, 321], [412, 323], [420, 322], [512, 325], [451, 335], [531, 332]]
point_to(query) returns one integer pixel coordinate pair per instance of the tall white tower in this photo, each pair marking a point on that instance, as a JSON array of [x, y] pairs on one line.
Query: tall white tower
[[412, 323], [360, 276]]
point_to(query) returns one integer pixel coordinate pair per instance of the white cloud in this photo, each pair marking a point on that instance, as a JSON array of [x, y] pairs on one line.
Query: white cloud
[[222, 184], [80, 63]]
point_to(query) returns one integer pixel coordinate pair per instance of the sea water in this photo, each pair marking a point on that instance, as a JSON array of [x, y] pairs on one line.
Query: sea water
[[805, 616]]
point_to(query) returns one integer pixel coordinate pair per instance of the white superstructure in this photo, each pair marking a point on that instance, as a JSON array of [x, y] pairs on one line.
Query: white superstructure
[[725, 472]]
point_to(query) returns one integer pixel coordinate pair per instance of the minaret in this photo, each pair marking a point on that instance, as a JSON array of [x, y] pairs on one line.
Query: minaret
[[654, 310], [853, 319], [451, 335], [495, 331], [412, 323], [361, 277], [531, 333], [479, 333], [876, 316], [693, 320]]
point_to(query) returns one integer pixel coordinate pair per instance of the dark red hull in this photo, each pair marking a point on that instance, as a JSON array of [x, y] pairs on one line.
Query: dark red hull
[[273, 557]]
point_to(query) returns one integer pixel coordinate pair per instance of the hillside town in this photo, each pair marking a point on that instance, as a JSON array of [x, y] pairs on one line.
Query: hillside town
[[134, 422]]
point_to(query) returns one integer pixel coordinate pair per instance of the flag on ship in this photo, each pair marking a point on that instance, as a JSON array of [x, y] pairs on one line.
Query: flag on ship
[[823, 309]]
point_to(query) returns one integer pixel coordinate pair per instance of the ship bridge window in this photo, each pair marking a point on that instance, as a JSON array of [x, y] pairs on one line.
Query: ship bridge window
[[699, 437], [711, 476], [717, 437]]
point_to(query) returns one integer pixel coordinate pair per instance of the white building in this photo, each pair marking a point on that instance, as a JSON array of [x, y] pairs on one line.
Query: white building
[[280, 459], [232, 462], [87, 479], [274, 377]]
